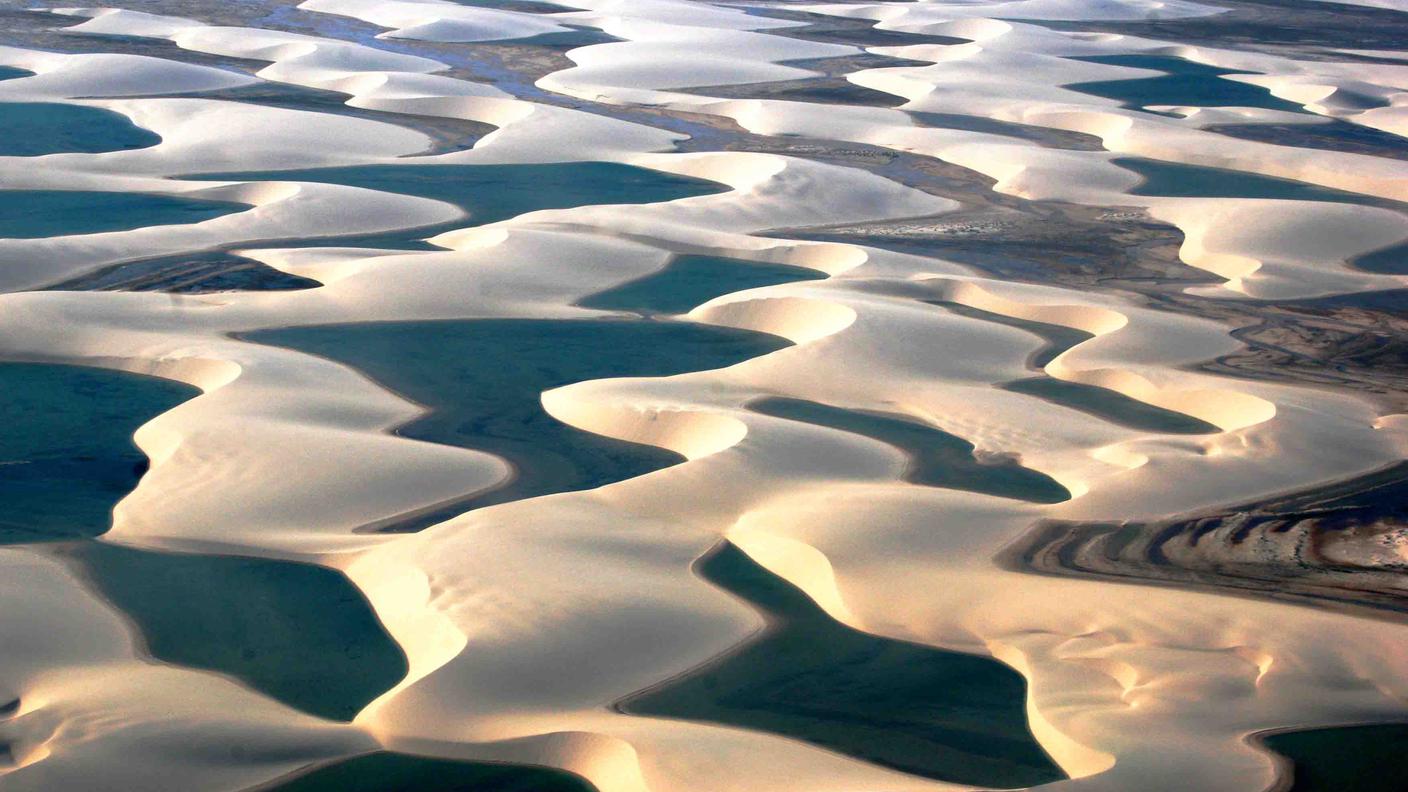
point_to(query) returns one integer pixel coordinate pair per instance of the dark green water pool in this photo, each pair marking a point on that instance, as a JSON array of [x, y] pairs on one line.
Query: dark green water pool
[[1392, 260], [944, 715], [300, 633], [66, 450], [1346, 759], [490, 193], [937, 458], [30, 129], [1103, 403], [1044, 136], [483, 381], [394, 772], [1111, 406], [690, 281], [1177, 180], [30, 214], [563, 39], [1183, 83]]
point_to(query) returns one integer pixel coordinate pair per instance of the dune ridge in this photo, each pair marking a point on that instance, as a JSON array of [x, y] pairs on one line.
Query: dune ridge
[[524, 622]]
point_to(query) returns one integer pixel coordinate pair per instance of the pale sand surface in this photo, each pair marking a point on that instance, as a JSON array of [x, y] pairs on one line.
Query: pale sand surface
[[869, 468]]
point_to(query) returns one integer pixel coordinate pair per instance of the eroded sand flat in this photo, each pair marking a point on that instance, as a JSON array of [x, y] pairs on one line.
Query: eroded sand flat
[[657, 395]]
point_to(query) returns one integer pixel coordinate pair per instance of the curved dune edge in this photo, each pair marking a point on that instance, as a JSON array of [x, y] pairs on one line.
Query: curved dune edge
[[819, 505], [445, 647], [1002, 66], [86, 697], [1077, 760], [1228, 409], [801, 321]]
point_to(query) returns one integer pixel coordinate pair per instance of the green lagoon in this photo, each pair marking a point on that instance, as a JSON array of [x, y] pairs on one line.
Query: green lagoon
[[483, 379], [299, 633], [944, 715], [31, 129], [490, 193], [690, 281]]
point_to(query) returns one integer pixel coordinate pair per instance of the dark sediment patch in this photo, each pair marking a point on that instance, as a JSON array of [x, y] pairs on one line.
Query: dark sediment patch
[[690, 281], [1042, 136], [66, 449], [31, 129], [1333, 135], [1336, 546], [194, 273], [1184, 82], [1178, 180], [935, 713], [385, 771], [937, 458], [1354, 342], [297, 632], [1367, 758], [50, 33], [490, 193], [482, 381], [32, 214]]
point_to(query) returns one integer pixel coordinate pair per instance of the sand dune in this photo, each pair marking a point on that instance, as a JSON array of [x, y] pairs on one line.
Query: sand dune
[[529, 624]]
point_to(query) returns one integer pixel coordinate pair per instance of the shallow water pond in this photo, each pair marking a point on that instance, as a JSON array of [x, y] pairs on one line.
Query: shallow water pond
[[489, 193], [937, 458], [483, 381], [385, 771], [66, 448], [1345, 759], [690, 281], [33, 214], [300, 633], [31, 129], [1103, 403], [1178, 180], [1184, 83], [945, 715]]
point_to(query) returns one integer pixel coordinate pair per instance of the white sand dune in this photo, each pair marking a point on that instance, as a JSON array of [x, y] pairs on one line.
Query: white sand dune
[[439, 21], [524, 623]]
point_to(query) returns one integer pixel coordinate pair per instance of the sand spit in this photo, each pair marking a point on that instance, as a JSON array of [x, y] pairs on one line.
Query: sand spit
[[871, 471]]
